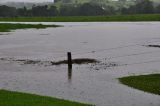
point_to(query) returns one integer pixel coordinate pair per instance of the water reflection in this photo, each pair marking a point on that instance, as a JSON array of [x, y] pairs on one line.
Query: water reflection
[[69, 74]]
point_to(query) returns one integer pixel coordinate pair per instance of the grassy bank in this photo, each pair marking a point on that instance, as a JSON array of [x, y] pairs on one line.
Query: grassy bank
[[8, 98], [144, 17], [5, 27], [147, 83]]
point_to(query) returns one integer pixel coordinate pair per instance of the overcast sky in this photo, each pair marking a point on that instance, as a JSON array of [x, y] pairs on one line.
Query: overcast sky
[[26, 0]]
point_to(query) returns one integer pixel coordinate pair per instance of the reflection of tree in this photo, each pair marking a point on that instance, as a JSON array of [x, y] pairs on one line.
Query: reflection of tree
[[69, 74]]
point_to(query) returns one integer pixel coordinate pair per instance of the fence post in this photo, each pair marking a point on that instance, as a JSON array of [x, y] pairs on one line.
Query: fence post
[[69, 60]]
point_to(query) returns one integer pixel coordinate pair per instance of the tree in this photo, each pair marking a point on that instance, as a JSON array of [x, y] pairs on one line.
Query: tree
[[122, 1], [141, 7], [144, 6], [68, 10], [66, 1], [90, 9], [53, 11], [22, 11], [158, 9], [40, 10], [6, 11]]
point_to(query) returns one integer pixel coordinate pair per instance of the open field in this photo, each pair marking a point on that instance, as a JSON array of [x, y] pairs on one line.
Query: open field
[[121, 48], [147, 83], [116, 18], [6, 27], [9, 98]]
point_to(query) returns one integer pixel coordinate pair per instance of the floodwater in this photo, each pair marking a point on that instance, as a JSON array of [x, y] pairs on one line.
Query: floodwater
[[120, 43]]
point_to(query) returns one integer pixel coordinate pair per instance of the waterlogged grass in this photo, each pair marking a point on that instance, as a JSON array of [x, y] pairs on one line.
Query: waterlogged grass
[[5, 27], [114, 18], [147, 83], [157, 46], [76, 61], [9, 98]]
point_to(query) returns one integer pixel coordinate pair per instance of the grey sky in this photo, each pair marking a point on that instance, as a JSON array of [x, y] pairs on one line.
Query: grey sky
[[26, 0]]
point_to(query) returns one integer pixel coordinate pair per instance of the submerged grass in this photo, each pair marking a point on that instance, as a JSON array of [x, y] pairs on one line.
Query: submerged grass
[[147, 83], [9, 98], [6, 27], [76, 61], [158, 46], [113, 18]]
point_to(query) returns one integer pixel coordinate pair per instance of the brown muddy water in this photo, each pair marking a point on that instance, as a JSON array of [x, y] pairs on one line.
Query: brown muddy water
[[120, 47]]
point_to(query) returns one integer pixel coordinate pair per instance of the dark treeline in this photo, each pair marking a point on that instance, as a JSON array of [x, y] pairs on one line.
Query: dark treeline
[[141, 7], [86, 9]]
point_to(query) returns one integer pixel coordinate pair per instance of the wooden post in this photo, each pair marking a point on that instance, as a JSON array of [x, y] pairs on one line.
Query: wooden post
[[69, 60]]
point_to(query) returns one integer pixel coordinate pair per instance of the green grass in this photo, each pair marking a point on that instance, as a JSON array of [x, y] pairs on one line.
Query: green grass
[[5, 27], [147, 83], [9, 98], [115, 18]]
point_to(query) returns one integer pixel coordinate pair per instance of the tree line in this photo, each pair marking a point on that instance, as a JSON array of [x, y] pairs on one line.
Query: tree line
[[86, 9]]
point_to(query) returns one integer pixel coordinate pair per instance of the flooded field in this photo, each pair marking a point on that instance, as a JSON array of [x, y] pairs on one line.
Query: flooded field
[[121, 49]]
